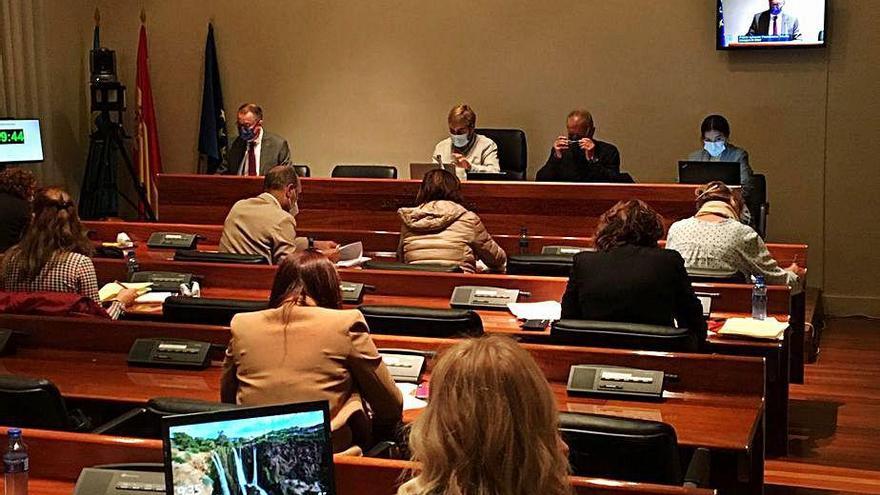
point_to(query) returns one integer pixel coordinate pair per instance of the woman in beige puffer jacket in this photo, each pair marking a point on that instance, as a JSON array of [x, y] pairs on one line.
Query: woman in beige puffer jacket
[[441, 231]]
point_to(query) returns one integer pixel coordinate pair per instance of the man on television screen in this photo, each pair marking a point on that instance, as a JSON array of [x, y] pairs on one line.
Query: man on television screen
[[773, 22]]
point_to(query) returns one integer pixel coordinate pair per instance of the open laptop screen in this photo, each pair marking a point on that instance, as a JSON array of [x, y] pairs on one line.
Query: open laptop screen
[[244, 451]]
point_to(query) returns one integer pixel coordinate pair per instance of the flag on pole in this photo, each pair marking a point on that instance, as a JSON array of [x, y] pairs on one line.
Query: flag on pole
[[212, 130], [149, 162]]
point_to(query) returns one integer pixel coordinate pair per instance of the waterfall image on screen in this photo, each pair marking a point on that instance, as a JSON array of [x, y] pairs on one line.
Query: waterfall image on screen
[[283, 455]]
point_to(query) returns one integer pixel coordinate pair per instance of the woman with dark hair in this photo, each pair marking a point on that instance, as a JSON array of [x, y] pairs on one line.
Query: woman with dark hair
[[629, 278], [305, 348], [53, 255], [16, 193], [715, 136], [440, 231], [715, 242]]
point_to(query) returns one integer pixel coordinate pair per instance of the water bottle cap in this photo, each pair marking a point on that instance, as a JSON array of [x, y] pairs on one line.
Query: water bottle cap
[[759, 279], [14, 432]]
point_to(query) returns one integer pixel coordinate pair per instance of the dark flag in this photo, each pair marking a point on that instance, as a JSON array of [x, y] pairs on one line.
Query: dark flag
[[212, 131]]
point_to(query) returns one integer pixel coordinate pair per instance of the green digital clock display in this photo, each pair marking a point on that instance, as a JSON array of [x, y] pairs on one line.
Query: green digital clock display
[[11, 136]]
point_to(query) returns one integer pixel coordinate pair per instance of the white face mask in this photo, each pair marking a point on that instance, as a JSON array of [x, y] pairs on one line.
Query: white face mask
[[460, 140], [714, 148]]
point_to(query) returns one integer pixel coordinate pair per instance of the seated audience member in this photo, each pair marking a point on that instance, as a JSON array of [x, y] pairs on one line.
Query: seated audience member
[[306, 348], [714, 240], [16, 194], [629, 278], [491, 426], [255, 150], [53, 255], [715, 132], [577, 157], [265, 225], [440, 231], [464, 148]]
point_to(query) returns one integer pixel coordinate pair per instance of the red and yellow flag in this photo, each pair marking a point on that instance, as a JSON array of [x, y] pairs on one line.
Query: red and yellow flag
[[149, 161]]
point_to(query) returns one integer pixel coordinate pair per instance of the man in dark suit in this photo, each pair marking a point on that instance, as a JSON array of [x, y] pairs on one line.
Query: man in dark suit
[[255, 150], [773, 22], [577, 157]]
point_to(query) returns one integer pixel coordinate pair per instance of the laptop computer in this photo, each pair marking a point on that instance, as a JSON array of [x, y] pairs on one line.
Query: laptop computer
[[274, 449], [696, 172], [418, 170]]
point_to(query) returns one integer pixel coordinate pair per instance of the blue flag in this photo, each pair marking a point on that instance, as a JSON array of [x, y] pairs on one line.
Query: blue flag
[[212, 130]]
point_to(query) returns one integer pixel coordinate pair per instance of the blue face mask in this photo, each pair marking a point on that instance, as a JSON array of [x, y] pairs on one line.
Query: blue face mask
[[247, 133], [715, 148], [776, 9]]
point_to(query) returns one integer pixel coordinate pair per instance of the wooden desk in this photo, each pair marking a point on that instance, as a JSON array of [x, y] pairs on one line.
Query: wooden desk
[[505, 207], [54, 474], [381, 241]]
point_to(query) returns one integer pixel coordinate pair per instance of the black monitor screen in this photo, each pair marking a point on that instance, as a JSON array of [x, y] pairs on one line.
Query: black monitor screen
[[770, 23]]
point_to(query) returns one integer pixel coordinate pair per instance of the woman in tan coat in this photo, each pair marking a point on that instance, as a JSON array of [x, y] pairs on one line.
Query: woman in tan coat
[[440, 231], [306, 348]]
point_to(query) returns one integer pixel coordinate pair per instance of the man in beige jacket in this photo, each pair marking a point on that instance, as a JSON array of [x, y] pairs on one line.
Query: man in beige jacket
[[264, 225]]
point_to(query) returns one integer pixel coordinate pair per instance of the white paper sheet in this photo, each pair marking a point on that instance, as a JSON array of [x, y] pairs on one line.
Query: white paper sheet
[[109, 291], [544, 310], [153, 297], [408, 390]]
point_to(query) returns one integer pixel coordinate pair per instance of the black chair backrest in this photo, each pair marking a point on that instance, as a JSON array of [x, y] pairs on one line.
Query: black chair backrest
[[28, 402], [513, 154], [413, 267], [182, 309], [621, 448], [302, 170], [365, 171], [167, 406], [758, 205], [620, 335], [549, 265], [422, 322], [212, 257]]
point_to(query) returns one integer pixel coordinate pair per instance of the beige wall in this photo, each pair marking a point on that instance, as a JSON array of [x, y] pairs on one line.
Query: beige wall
[[372, 82]]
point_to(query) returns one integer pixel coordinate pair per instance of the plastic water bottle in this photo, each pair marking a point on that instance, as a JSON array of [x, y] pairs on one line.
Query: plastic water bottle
[[133, 266], [759, 299], [523, 240], [15, 464]]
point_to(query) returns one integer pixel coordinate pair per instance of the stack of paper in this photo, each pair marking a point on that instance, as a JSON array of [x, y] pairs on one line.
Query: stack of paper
[[545, 310], [769, 328], [410, 401], [109, 291]]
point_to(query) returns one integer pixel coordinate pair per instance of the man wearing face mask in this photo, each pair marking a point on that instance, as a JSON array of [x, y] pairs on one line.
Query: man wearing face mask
[[773, 22], [255, 150], [265, 225], [464, 148], [577, 157], [715, 131]]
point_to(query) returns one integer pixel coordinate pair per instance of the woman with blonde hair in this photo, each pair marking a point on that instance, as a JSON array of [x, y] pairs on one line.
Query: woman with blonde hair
[[491, 427], [714, 241]]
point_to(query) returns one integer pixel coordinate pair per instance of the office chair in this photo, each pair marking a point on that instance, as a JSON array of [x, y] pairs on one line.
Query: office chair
[[619, 335], [627, 449], [199, 310], [365, 171], [513, 155], [410, 267], [145, 422], [212, 257], [302, 170], [548, 265], [422, 322], [758, 205], [27, 402]]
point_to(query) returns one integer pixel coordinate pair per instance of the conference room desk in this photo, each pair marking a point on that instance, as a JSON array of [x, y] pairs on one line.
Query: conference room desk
[[54, 474], [716, 401], [505, 207], [380, 241]]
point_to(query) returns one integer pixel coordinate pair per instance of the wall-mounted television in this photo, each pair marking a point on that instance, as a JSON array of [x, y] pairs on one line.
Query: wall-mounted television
[[753, 24], [20, 141]]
